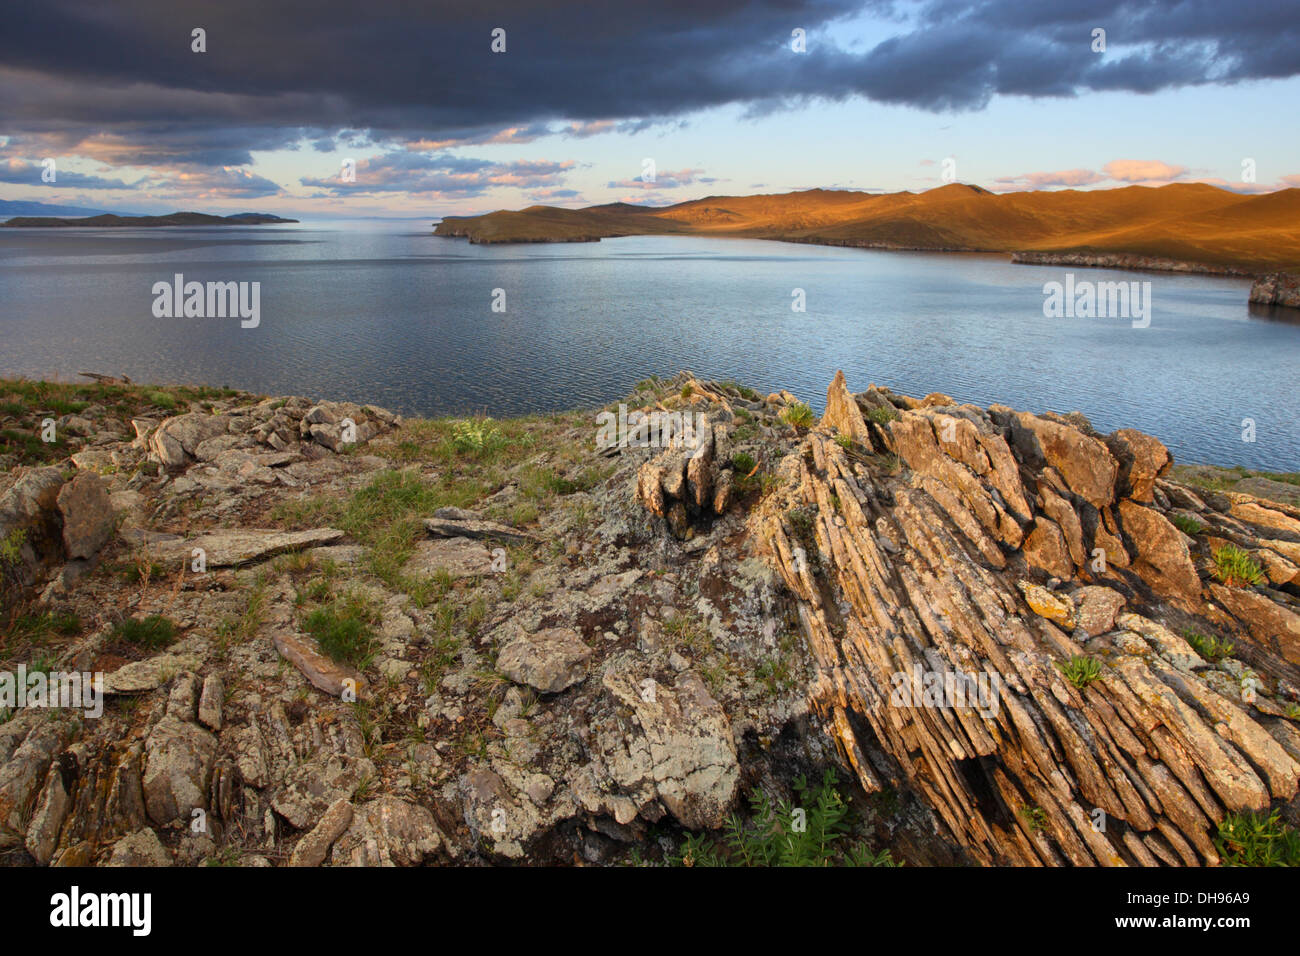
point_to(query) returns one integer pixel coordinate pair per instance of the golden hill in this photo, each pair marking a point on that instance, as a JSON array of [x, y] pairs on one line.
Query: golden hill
[[1190, 222]]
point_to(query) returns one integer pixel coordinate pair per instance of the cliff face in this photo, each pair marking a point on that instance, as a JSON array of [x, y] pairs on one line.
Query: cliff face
[[329, 635], [1277, 288]]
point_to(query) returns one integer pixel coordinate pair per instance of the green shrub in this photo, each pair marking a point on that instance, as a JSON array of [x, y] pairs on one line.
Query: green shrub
[[797, 414], [1211, 648], [1081, 670], [344, 629], [744, 464], [1236, 568], [153, 632], [882, 415], [1257, 839], [813, 832], [1187, 525], [476, 437]]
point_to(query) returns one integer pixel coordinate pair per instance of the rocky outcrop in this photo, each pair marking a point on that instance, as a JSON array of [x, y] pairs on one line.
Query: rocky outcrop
[[942, 639], [1276, 288]]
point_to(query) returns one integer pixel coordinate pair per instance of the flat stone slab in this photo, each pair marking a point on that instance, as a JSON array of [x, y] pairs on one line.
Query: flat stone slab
[[324, 673], [226, 549], [139, 677], [460, 557], [455, 523]]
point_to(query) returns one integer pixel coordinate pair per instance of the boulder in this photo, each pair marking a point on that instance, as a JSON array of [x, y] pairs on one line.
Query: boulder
[[178, 768], [175, 441], [88, 519], [1163, 560], [842, 412], [1142, 459], [549, 661], [1084, 462]]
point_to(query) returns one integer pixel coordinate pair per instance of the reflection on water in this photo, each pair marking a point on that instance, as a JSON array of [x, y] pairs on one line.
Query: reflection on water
[[387, 313]]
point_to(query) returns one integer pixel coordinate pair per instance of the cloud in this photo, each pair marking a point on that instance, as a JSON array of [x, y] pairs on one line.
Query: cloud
[[1143, 171], [663, 180], [126, 88], [1064, 177], [440, 175], [29, 174]]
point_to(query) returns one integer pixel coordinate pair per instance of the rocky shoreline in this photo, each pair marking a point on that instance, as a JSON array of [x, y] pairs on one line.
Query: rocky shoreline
[[1125, 261], [330, 635]]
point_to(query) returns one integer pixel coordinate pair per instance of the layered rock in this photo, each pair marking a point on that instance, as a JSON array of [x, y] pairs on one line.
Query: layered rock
[[924, 572]]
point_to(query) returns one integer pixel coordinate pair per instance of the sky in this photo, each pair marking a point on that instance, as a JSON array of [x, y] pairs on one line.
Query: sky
[[342, 109]]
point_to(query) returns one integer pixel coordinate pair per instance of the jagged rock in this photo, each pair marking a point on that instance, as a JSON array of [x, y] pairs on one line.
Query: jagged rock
[[324, 673], [1084, 462], [23, 773], [388, 831], [1097, 608], [51, 810], [178, 767], [210, 702], [173, 443], [1142, 459], [313, 786], [226, 549], [1055, 607], [1276, 288], [1163, 560], [842, 412], [315, 845], [1045, 548], [1272, 631], [549, 661], [692, 754], [142, 848]]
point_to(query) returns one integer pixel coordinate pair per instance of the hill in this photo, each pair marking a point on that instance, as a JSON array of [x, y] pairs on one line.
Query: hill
[[1184, 222], [109, 220]]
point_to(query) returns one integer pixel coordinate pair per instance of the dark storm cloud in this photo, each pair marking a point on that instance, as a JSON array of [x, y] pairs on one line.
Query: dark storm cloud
[[119, 81]]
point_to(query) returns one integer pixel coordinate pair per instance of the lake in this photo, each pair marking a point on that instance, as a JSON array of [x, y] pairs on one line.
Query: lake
[[383, 312]]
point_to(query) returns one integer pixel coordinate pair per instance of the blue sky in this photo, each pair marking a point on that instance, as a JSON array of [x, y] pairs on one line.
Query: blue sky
[[1012, 93]]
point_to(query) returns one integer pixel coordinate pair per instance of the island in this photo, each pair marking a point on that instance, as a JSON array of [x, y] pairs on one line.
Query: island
[[109, 220]]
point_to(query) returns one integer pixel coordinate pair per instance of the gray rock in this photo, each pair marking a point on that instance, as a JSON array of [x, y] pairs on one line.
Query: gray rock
[[550, 660], [178, 768], [142, 848]]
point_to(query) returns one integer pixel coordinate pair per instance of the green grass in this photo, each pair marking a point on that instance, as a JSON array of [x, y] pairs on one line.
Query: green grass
[[812, 830], [344, 629], [476, 436], [152, 633], [1187, 525], [1210, 648], [1080, 670], [797, 414], [883, 416], [1257, 839], [1235, 568]]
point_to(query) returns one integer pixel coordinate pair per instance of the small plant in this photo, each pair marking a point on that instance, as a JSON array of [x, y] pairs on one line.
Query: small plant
[[844, 441], [1081, 670], [1035, 818], [798, 415], [1235, 568], [883, 415], [687, 389], [813, 830], [343, 629], [476, 437], [153, 632], [11, 547], [1256, 839], [744, 464], [1211, 648], [1187, 524]]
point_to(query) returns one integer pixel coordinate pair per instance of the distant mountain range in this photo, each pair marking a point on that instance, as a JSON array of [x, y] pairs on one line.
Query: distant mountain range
[[1194, 223], [172, 219], [22, 207]]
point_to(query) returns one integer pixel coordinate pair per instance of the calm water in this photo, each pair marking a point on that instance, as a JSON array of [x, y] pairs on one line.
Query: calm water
[[385, 313]]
